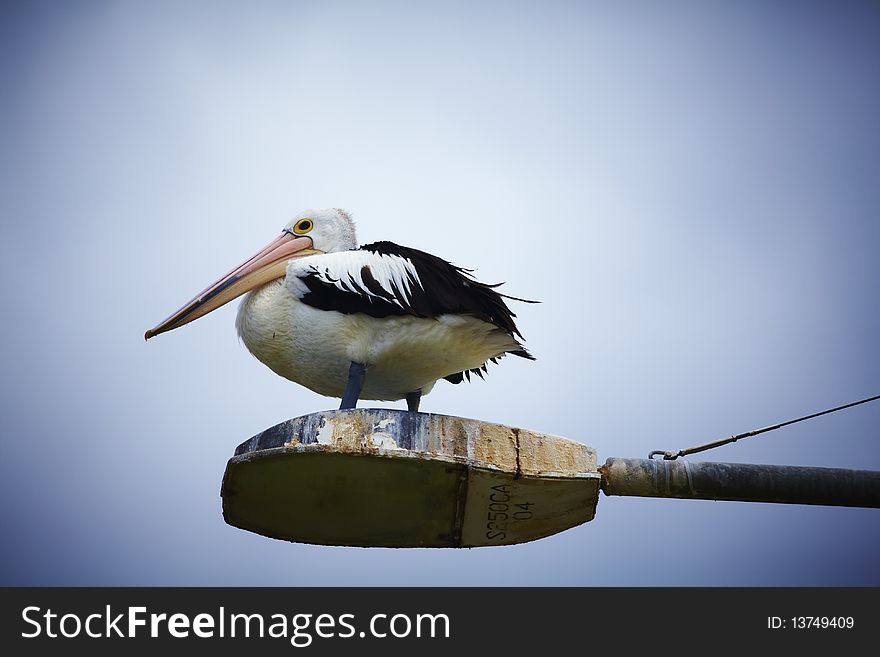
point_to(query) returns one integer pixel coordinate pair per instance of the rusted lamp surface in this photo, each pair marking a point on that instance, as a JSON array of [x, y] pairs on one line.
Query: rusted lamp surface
[[388, 478]]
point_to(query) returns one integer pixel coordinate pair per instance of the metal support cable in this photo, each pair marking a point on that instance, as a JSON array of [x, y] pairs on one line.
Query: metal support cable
[[672, 455]]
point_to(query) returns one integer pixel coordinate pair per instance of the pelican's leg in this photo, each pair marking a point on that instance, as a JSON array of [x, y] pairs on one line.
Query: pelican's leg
[[353, 388], [412, 400]]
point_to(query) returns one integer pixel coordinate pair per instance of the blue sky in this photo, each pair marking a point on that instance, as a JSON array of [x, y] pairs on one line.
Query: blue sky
[[691, 189]]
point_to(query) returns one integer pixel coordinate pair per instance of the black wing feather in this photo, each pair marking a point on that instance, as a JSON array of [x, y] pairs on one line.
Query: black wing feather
[[445, 289], [326, 296]]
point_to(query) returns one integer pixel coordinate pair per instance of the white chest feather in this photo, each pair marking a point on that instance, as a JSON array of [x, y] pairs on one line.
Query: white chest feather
[[402, 353]]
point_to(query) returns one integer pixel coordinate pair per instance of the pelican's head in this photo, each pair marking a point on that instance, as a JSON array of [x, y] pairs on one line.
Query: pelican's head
[[309, 233], [330, 230]]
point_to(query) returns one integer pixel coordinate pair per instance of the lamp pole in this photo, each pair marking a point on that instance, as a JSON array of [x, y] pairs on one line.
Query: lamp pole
[[785, 484]]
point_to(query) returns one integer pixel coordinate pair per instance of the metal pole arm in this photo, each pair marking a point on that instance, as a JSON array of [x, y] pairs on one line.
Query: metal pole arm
[[784, 484]]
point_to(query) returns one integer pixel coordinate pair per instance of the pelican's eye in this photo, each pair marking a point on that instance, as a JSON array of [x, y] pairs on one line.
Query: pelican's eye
[[303, 226]]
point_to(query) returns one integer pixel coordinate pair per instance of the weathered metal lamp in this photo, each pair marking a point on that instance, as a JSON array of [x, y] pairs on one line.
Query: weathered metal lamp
[[387, 478]]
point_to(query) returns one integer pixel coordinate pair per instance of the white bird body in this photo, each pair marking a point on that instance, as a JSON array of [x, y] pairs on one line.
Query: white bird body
[[381, 322], [403, 353]]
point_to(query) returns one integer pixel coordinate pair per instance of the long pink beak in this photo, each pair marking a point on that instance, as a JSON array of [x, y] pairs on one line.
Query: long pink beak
[[266, 265]]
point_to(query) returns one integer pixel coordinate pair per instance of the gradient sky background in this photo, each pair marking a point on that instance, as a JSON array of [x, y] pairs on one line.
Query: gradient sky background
[[691, 188]]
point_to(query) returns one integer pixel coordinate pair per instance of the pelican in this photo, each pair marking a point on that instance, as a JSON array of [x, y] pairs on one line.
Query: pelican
[[380, 321]]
